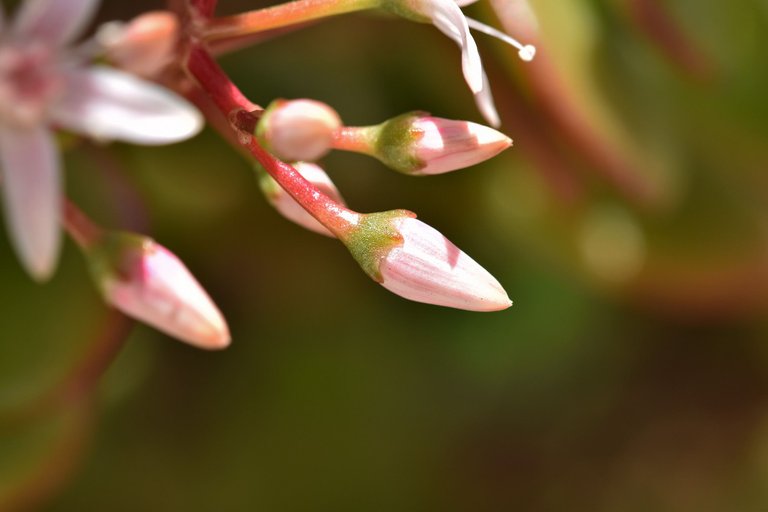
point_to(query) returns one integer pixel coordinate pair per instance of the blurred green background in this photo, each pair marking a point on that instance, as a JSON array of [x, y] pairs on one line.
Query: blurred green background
[[628, 224]]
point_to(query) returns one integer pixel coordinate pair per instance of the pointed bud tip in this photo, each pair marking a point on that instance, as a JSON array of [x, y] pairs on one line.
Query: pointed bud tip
[[40, 270], [216, 338]]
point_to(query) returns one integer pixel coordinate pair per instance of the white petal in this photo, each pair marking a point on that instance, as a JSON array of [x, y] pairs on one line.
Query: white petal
[[55, 21], [464, 3], [447, 17], [485, 104], [29, 166], [108, 104]]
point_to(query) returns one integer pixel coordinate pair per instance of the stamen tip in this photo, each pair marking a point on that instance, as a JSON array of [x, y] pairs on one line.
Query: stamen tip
[[527, 52]]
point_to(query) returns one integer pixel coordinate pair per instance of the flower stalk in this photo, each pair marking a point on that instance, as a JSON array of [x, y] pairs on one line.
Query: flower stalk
[[278, 16], [230, 101], [80, 227], [419, 144]]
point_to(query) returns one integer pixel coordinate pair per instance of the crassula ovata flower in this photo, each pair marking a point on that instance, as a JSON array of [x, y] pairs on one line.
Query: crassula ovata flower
[[288, 207], [147, 282], [419, 144], [415, 261], [446, 15], [296, 130], [44, 85]]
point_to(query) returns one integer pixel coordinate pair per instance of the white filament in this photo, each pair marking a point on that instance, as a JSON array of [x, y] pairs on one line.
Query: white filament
[[526, 52]]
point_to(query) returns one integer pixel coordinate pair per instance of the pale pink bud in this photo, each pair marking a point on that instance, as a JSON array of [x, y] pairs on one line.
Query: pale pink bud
[[415, 261], [147, 282], [447, 145], [289, 208], [298, 129], [143, 46], [419, 144]]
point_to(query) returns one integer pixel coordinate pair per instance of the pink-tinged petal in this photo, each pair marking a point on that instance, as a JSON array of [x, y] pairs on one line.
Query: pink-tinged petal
[[31, 182], [152, 285], [428, 268], [446, 145], [300, 129], [105, 103], [57, 22], [289, 208]]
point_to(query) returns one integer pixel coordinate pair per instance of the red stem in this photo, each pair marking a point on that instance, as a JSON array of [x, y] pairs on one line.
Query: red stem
[[231, 102], [82, 229], [205, 8]]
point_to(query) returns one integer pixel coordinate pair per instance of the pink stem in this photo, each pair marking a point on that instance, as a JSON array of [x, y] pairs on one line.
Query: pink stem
[[353, 138], [82, 229], [230, 101], [281, 15], [205, 8]]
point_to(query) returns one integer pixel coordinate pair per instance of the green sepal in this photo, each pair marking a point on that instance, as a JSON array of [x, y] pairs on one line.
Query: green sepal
[[395, 141], [372, 238], [269, 187], [261, 126], [115, 255]]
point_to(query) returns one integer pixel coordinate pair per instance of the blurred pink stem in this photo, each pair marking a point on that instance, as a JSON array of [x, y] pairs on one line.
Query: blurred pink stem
[[281, 15], [651, 17], [82, 229]]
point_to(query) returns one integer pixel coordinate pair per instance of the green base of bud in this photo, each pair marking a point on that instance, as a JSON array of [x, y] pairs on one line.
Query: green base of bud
[[372, 239], [395, 140]]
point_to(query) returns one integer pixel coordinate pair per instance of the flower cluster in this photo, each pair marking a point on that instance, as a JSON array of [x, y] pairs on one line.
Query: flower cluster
[[107, 88]]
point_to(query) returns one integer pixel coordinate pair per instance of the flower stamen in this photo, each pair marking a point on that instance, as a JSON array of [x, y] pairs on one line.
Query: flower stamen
[[526, 52]]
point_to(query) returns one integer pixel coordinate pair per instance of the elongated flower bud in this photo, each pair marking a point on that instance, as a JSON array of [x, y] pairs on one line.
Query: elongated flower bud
[[415, 261], [297, 130], [418, 144], [288, 207], [144, 45], [147, 282]]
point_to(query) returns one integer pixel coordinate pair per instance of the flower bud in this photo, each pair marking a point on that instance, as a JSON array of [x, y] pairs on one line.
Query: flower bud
[[144, 45], [147, 282], [298, 129], [415, 261], [418, 144], [288, 207]]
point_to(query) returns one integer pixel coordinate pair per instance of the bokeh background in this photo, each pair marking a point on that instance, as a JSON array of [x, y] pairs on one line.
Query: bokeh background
[[628, 223]]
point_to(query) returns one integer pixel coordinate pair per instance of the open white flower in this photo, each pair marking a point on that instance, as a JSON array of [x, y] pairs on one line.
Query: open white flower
[[446, 15], [44, 85]]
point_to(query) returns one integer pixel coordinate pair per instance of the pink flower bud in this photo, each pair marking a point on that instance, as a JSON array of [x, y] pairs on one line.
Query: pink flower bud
[[147, 282], [289, 208], [415, 261], [419, 144], [143, 46], [298, 129]]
